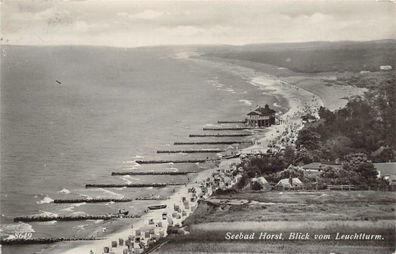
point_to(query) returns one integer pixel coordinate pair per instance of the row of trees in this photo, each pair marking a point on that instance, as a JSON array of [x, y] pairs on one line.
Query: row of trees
[[356, 169], [366, 124]]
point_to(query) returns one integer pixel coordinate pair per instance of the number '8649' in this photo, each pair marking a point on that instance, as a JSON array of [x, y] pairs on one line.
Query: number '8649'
[[25, 235]]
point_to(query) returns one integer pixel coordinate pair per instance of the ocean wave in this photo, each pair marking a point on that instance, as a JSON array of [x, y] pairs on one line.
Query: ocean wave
[[80, 227], [64, 191], [127, 181], [132, 163], [79, 213], [230, 90], [20, 227], [85, 196], [131, 177], [210, 125], [79, 204], [96, 221], [71, 208], [68, 209], [52, 222], [45, 200], [117, 195], [246, 102], [47, 214], [216, 83], [172, 168]]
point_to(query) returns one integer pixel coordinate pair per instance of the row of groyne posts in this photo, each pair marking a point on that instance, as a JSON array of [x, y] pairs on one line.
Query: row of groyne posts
[[141, 239]]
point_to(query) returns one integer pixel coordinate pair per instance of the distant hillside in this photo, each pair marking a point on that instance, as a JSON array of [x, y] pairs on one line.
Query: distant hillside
[[314, 57]]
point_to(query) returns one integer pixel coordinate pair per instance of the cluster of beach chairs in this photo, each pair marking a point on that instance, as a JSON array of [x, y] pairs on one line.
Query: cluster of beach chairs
[[170, 219]]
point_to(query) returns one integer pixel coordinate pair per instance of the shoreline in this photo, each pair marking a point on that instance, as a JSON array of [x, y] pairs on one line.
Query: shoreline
[[257, 80], [295, 98]]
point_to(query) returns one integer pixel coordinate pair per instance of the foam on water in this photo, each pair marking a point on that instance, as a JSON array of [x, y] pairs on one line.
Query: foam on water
[[71, 208], [64, 191], [52, 222], [45, 200], [20, 227], [68, 209], [117, 195], [79, 213], [85, 196], [131, 178], [230, 90], [127, 181], [132, 163], [80, 227], [47, 214]]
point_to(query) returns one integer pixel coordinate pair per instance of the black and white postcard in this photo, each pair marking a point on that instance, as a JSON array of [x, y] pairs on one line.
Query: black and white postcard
[[257, 126]]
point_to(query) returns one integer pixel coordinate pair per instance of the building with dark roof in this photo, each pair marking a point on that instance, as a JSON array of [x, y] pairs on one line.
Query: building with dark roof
[[261, 117]]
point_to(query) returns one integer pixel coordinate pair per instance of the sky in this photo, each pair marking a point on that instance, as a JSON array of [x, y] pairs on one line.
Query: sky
[[236, 22]]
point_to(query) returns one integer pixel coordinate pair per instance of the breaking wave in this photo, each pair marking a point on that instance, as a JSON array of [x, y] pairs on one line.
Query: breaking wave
[[45, 200]]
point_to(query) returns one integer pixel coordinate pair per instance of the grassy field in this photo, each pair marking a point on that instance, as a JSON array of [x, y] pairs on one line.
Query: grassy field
[[324, 216]]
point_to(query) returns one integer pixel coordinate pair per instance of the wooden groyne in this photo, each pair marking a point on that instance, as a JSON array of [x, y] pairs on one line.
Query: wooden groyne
[[151, 198], [226, 128], [71, 218], [138, 185], [133, 173], [20, 241], [235, 121], [92, 200], [213, 143], [192, 151], [168, 161], [220, 135]]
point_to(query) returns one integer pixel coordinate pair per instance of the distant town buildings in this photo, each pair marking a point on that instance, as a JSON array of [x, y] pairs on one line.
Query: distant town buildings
[[261, 117]]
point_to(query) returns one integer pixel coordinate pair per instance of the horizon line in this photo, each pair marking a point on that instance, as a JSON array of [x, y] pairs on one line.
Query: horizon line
[[193, 45]]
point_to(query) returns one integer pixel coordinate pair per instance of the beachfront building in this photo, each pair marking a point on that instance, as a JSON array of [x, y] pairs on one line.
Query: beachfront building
[[261, 117]]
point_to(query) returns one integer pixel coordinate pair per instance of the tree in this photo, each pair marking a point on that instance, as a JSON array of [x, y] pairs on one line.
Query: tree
[[303, 156], [357, 162], [308, 138], [335, 175], [289, 154], [326, 114]]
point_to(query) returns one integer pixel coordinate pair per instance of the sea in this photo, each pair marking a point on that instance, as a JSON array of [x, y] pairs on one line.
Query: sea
[[71, 115]]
